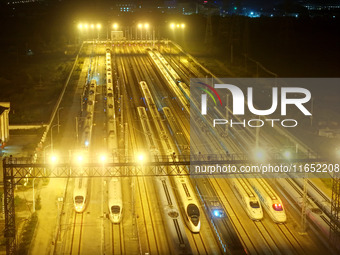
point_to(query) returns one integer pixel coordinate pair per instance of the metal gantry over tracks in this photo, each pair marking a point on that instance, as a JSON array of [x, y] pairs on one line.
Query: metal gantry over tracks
[[15, 169]]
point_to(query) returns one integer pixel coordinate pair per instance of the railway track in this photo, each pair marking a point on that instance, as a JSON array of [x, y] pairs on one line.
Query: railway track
[[200, 247], [297, 247], [118, 246], [77, 232]]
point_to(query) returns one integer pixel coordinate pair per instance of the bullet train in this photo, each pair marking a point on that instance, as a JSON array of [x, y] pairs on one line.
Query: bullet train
[[186, 194], [172, 216], [115, 200], [247, 197], [269, 199], [189, 203], [80, 194]]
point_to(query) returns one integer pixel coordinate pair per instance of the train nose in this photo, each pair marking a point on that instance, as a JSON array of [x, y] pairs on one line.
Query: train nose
[[115, 218]]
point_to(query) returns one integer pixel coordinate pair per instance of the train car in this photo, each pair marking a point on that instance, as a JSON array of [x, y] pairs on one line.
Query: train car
[[181, 142], [80, 194], [152, 145], [115, 200], [189, 203], [269, 199], [172, 217], [247, 197]]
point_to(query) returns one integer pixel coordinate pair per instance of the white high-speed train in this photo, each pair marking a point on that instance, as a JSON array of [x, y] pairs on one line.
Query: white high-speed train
[[115, 200], [172, 216], [247, 197], [80, 194], [189, 203], [271, 202]]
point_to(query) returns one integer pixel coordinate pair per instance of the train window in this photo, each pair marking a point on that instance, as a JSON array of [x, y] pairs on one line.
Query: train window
[[254, 204], [193, 213], [277, 207], [115, 209], [79, 199]]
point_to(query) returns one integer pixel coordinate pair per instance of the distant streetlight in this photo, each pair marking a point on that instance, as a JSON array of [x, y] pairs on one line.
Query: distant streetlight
[[287, 154], [259, 154], [86, 26], [103, 158], [80, 26], [146, 25], [79, 158], [53, 159], [99, 26], [92, 26], [140, 158], [115, 26], [177, 25]]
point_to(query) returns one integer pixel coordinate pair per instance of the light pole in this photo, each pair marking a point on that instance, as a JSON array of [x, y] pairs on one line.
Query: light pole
[[99, 26], [52, 136], [140, 26], [33, 209], [45, 152], [58, 117]]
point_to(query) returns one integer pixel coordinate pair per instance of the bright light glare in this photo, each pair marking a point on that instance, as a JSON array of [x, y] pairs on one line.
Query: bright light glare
[[54, 159], [287, 154], [115, 26], [99, 26], [87, 143], [80, 26], [80, 158], [140, 25], [92, 26], [172, 25], [103, 158], [141, 157], [146, 25], [86, 26], [177, 25], [183, 26], [260, 154]]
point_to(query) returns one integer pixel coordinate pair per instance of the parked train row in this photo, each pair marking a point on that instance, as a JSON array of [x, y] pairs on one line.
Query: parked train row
[[80, 191], [170, 80], [110, 106], [166, 196], [186, 194], [250, 195], [115, 202]]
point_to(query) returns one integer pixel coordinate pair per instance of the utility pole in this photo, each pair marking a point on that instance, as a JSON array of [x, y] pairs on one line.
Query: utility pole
[[303, 206]]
